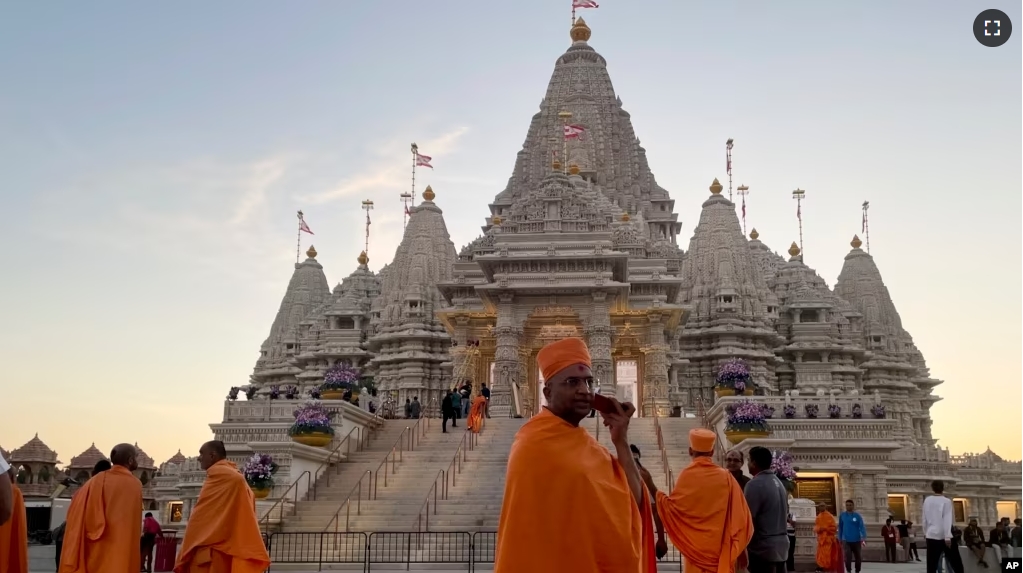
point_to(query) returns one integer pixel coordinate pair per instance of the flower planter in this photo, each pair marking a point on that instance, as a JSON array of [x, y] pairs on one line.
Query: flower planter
[[748, 391], [261, 492], [332, 394], [314, 439], [736, 436], [722, 391]]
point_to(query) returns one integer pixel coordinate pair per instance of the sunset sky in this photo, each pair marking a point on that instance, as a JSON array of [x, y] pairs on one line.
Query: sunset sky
[[154, 155]]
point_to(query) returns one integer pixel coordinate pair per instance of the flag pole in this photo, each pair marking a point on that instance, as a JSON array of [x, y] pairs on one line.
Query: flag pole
[[743, 190], [298, 242], [367, 205], [798, 195], [405, 198], [728, 165], [866, 224], [415, 154]]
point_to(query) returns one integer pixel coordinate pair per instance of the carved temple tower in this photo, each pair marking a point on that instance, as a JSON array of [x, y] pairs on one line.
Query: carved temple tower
[[409, 343], [584, 248]]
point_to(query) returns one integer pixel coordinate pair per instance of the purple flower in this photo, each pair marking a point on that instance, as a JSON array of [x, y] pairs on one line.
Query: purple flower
[[857, 411], [340, 377], [232, 394], [782, 466], [250, 392], [811, 410], [311, 418], [314, 393], [877, 410], [834, 411], [275, 392], [790, 411], [748, 414], [734, 374], [259, 471], [290, 392]]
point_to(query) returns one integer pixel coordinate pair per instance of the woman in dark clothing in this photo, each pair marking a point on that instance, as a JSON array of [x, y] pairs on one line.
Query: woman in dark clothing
[[733, 463]]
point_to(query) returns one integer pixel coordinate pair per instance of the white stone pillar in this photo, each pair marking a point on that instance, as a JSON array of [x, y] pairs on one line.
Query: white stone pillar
[[506, 358], [598, 341]]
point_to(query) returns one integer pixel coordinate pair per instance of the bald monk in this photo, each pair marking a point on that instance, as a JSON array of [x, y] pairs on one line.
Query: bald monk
[[476, 413], [14, 535], [223, 531], [829, 550], [104, 521], [569, 505], [706, 516]]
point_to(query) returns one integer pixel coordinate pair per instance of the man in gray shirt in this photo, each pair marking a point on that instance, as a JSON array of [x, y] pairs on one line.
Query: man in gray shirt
[[769, 505]]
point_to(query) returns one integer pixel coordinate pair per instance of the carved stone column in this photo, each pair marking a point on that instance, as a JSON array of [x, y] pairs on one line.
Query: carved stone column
[[506, 358], [458, 358], [655, 376], [598, 340]]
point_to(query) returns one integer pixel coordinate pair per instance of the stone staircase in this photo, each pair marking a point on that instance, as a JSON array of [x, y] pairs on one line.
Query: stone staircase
[[675, 432], [391, 498]]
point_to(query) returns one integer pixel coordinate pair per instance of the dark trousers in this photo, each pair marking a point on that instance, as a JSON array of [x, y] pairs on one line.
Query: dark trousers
[[146, 547], [853, 551], [759, 565], [791, 562], [59, 547], [913, 552], [936, 548], [487, 408], [890, 552], [448, 416]]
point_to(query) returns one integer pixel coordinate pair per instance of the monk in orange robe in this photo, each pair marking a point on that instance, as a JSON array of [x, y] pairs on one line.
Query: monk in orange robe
[[706, 516], [104, 521], [829, 550], [569, 505], [476, 414], [14, 535], [223, 531]]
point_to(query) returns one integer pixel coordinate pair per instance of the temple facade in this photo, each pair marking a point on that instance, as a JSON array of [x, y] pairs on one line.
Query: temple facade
[[583, 242]]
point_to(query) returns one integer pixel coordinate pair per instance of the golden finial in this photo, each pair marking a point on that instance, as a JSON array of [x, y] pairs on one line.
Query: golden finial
[[363, 258], [311, 253], [625, 217], [573, 169], [497, 220], [794, 249], [580, 31], [856, 242], [428, 195], [754, 235], [556, 165], [716, 187]]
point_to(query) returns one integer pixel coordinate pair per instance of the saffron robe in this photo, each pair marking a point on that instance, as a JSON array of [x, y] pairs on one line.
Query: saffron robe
[[104, 525], [568, 506], [829, 550], [14, 538], [223, 531], [706, 517], [475, 419]]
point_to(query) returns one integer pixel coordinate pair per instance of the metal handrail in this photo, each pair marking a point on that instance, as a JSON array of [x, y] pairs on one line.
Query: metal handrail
[[424, 510], [347, 503], [410, 433], [467, 443], [664, 453], [294, 486], [345, 441]]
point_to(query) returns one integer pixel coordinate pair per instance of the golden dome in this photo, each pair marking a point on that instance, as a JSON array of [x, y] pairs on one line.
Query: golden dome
[[497, 220], [856, 242], [556, 165], [573, 169], [625, 217], [716, 187], [794, 249], [428, 195], [580, 31], [363, 258], [311, 253], [754, 235]]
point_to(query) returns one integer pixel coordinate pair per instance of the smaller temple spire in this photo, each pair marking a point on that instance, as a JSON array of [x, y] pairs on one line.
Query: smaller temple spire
[[573, 169], [497, 220]]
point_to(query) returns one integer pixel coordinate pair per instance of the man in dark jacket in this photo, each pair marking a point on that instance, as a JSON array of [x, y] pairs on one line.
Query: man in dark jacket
[[447, 411], [769, 506]]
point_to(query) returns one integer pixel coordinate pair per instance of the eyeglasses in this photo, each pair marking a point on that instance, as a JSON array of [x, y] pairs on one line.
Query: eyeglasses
[[575, 381]]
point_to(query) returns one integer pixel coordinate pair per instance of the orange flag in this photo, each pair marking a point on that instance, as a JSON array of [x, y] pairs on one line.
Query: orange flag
[[104, 525], [14, 538], [223, 531], [706, 517], [568, 506]]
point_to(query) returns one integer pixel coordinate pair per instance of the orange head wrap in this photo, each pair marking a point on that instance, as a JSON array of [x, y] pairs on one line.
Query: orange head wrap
[[559, 355], [701, 440]]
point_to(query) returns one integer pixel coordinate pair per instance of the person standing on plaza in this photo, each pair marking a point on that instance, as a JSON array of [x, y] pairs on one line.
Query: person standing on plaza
[[733, 463], [890, 536], [769, 507], [852, 532], [937, 528]]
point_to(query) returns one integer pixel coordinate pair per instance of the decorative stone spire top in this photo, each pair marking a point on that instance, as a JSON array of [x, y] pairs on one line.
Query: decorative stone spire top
[[794, 250], [363, 259], [497, 220], [87, 459], [716, 187], [556, 165], [580, 32], [625, 217], [856, 243], [33, 451], [311, 253], [428, 195], [754, 235], [573, 169]]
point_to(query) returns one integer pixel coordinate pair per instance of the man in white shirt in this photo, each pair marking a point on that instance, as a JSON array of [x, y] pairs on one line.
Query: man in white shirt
[[937, 528], [6, 492]]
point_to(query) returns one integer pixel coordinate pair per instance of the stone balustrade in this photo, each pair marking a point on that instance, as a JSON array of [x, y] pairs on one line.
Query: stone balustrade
[[718, 411]]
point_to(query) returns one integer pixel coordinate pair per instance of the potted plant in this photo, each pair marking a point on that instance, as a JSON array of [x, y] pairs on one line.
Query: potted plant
[[782, 466], [790, 411], [275, 392], [857, 411], [746, 420], [312, 425], [337, 379], [811, 410], [315, 394], [250, 392], [733, 379], [290, 392], [834, 411], [232, 394], [259, 474], [877, 410]]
